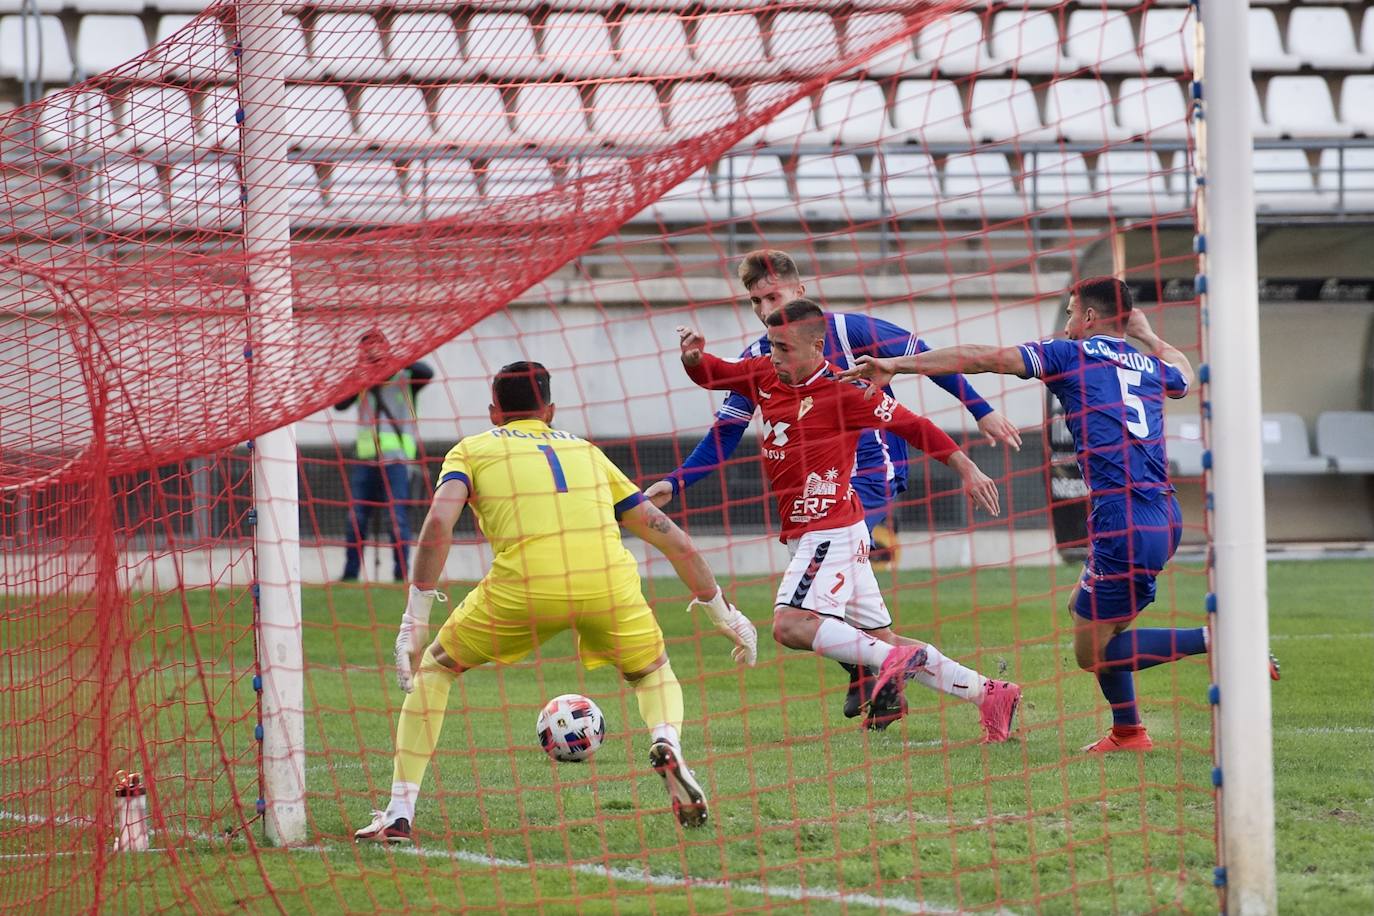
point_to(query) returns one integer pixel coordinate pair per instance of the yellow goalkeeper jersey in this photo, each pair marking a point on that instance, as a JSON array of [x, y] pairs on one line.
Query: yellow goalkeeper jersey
[[548, 502]]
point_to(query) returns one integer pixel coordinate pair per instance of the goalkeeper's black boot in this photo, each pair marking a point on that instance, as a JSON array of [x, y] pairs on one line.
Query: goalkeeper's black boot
[[887, 706], [859, 679]]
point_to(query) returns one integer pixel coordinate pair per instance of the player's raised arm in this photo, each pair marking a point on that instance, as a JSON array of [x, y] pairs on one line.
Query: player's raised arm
[[431, 552], [656, 529], [1138, 326], [711, 371], [966, 358]]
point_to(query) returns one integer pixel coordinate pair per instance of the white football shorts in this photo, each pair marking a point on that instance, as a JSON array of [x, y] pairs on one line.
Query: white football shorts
[[830, 574]]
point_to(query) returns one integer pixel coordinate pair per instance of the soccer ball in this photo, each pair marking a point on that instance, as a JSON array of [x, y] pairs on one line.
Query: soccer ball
[[570, 728]]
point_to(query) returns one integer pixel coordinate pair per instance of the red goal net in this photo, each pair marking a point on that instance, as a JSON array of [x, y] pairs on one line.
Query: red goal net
[[566, 182]]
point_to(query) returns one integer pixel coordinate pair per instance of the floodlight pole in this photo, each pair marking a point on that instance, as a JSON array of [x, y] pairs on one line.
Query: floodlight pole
[[1231, 409], [277, 579]]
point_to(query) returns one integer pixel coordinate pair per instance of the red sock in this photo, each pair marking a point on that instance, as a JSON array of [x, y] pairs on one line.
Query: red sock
[[1128, 731]]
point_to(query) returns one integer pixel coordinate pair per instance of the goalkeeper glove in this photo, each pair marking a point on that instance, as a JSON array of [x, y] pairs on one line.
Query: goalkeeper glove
[[410, 639], [734, 625]]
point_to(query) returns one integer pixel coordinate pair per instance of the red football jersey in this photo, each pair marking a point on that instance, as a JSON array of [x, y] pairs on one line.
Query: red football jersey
[[809, 435]]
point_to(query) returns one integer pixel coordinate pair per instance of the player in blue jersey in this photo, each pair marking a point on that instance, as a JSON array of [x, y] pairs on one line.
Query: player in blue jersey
[[771, 280], [1113, 398]]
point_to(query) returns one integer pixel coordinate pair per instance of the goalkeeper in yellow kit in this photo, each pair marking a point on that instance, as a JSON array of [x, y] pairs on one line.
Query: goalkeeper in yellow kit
[[548, 501]]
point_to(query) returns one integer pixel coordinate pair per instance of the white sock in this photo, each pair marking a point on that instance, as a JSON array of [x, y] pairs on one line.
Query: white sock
[[948, 676], [403, 795], [1207, 639], [838, 640], [667, 733]]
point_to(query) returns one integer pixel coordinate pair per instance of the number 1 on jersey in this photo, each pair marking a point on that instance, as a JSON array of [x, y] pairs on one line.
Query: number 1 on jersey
[[560, 482]]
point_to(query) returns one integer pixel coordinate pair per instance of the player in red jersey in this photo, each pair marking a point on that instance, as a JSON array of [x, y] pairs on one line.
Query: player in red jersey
[[828, 600]]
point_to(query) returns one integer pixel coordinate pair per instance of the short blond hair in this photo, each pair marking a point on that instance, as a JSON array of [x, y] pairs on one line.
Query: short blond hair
[[767, 264]]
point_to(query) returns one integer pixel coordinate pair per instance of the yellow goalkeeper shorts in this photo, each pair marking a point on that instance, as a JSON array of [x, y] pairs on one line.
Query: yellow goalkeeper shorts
[[496, 626]]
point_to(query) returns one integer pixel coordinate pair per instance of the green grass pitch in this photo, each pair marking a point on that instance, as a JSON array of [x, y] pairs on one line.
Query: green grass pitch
[[809, 813]]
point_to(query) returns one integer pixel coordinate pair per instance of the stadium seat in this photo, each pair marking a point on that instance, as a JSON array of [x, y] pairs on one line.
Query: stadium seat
[[522, 177], [424, 46], [444, 187], [1285, 447], [1023, 42], [194, 49], [793, 122], [1283, 181], [929, 111], [909, 183], [1347, 438], [1081, 110], [692, 201], [1367, 31], [1005, 109], [159, 120], [79, 122], [697, 109], [627, 114], [501, 46], [653, 44], [1134, 183], [729, 45], [578, 46], [49, 59], [104, 42], [473, 116], [551, 116], [37, 203], [1058, 180], [107, 6], [853, 112], [1347, 177], [864, 28], [1167, 38], [394, 116], [833, 188], [128, 197], [1266, 45], [754, 185], [324, 122], [803, 43], [1183, 444], [1357, 104], [305, 196], [217, 126], [1103, 41], [1259, 125], [953, 44], [348, 46], [1153, 108], [1323, 38], [205, 194], [297, 63], [1300, 106], [978, 186], [368, 193]]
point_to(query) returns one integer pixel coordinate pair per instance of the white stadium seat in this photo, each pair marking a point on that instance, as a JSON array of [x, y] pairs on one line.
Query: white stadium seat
[[978, 185], [1005, 109], [129, 197], [502, 46], [654, 43], [796, 121], [194, 49], [1153, 108], [1283, 181], [1026, 43], [297, 64], [627, 114], [444, 187], [517, 177], [159, 120], [394, 116], [49, 58], [217, 127], [1285, 447], [1081, 110], [551, 116], [833, 187], [1266, 45], [205, 194], [1357, 103], [1167, 39], [929, 111], [755, 185], [696, 109], [1300, 106], [474, 116], [1259, 125], [348, 46], [79, 122], [578, 46], [321, 120], [104, 42], [1347, 177], [730, 45], [865, 29], [1367, 31], [109, 6], [1103, 41], [909, 181], [1056, 179], [853, 112], [1323, 38], [691, 201], [424, 46], [953, 44], [304, 194], [1347, 437], [1134, 183], [1184, 443], [367, 192], [803, 43]]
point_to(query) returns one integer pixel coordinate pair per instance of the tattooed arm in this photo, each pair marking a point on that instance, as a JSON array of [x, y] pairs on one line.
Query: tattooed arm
[[650, 525]]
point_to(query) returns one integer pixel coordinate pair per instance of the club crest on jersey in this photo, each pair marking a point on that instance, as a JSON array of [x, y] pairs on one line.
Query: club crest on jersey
[[805, 406]]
